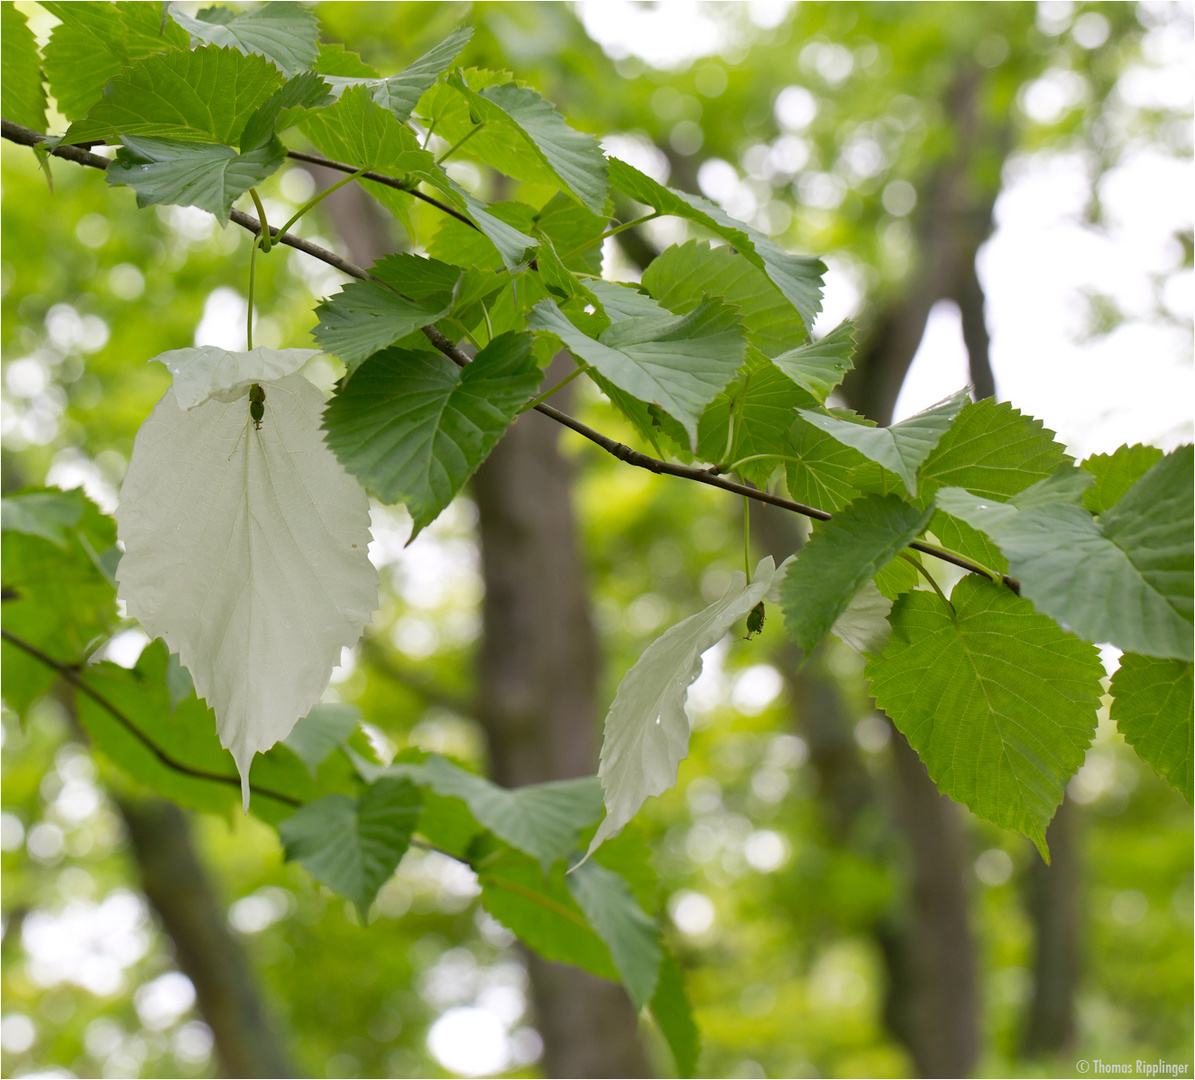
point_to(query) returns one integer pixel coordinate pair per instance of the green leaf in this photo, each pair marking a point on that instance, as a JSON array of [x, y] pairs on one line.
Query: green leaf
[[628, 931], [413, 427], [1115, 473], [204, 95], [48, 514], [1126, 579], [681, 275], [400, 93], [282, 31], [901, 448], [999, 703], [558, 279], [366, 316], [525, 137], [626, 301], [284, 108], [20, 71], [359, 132], [822, 364], [679, 362], [820, 474], [354, 846], [842, 555], [320, 732], [58, 597], [798, 277], [993, 450], [172, 747], [541, 911], [646, 730], [753, 414], [673, 1015], [1152, 707], [207, 175], [542, 820], [95, 42]]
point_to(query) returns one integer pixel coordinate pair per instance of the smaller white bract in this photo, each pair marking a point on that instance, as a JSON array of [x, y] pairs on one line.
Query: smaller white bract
[[246, 549]]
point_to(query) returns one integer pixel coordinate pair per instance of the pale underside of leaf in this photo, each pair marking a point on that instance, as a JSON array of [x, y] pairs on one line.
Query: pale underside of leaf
[[284, 32], [246, 550], [647, 730], [900, 448], [864, 624]]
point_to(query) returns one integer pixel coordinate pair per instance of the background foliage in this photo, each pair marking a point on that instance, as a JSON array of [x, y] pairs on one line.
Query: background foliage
[[773, 908]]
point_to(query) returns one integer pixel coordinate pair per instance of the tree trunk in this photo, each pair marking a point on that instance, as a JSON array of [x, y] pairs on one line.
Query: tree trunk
[[1053, 901], [537, 694], [177, 886]]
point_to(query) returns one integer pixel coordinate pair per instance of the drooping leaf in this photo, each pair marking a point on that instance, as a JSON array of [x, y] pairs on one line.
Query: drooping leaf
[[542, 820], [542, 912], [413, 427], [1126, 579], [901, 448], [521, 129], [282, 31], [559, 280], [354, 845], [1152, 707], [201, 95], [821, 468], [58, 596], [210, 176], [20, 71], [321, 731], [798, 277], [842, 555], [863, 625], [646, 729], [1115, 473], [673, 1014], [95, 42], [822, 364], [681, 275], [998, 701], [748, 422], [49, 514], [679, 362], [365, 317], [400, 93], [628, 931], [992, 450], [246, 550]]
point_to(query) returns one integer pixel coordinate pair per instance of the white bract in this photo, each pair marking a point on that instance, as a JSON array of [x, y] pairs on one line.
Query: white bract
[[647, 731], [246, 549]]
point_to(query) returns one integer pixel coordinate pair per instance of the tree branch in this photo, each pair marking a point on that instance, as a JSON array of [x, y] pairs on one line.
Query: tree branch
[[75, 678], [28, 137]]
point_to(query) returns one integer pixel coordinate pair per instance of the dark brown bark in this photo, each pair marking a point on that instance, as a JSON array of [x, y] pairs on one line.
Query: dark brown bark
[[177, 886], [1053, 901], [537, 694], [932, 1003]]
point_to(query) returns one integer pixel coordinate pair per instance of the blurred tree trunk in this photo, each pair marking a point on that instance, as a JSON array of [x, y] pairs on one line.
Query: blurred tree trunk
[[207, 952], [1053, 900], [537, 678], [537, 694]]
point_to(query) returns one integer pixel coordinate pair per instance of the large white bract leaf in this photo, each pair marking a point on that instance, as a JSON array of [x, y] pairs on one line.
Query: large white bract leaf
[[647, 731], [211, 372], [246, 550]]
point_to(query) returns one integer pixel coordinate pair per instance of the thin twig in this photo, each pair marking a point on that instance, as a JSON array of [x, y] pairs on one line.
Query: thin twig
[[75, 678], [28, 137]]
